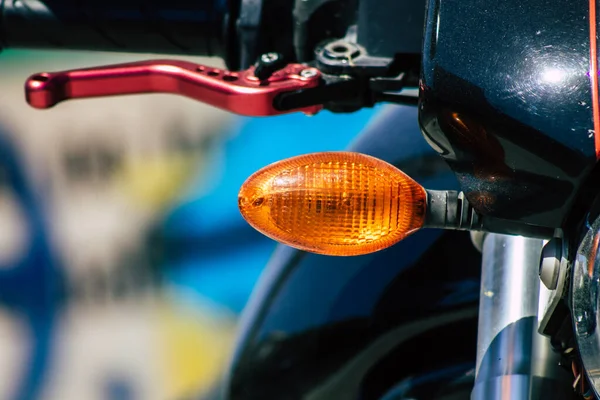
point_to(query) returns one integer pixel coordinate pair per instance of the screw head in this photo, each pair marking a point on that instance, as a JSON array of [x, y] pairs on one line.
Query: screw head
[[308, 73], [269, 57]]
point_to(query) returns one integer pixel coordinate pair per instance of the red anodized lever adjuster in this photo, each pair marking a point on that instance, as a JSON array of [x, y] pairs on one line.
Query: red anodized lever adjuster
[[238, 92]]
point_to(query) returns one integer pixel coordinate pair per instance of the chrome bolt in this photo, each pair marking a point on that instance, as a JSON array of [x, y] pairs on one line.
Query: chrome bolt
[[269, 57], [308, 73], [550, 263], [341, 50]]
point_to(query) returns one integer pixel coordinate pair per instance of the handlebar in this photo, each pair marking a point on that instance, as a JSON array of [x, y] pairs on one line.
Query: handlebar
[[234, 30], [195, 27]]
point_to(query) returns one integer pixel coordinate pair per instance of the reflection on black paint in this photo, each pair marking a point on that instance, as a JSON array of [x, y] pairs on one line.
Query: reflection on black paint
[[287, 364], [509, 108]]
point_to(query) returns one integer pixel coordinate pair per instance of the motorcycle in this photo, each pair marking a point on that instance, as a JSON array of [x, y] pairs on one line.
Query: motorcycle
[[507, 96]]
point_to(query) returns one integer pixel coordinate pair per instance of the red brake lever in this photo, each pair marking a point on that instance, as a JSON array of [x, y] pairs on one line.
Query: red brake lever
[[239, 92]]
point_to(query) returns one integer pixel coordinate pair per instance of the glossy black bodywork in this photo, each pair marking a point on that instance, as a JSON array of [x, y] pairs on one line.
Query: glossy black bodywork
[[338, 329], [506, 100], [370, 327]]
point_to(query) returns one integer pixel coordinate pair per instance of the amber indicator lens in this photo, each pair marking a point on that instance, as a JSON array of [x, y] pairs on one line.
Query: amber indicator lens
[[334, 203]]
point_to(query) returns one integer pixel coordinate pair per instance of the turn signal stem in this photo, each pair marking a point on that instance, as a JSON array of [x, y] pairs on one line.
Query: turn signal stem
[[449, 209]]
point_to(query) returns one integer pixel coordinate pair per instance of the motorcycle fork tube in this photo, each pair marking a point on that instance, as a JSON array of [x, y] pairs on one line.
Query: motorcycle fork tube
[[514, 361]]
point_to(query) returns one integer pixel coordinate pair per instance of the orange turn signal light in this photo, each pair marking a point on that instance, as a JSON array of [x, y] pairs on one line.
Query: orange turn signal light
[[334, 203]]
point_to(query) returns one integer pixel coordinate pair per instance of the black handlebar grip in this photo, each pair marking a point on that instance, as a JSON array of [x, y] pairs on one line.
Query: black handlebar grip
[[198, 27]]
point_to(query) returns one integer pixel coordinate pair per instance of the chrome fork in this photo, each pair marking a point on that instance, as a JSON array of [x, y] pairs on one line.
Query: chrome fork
[[514, 361]]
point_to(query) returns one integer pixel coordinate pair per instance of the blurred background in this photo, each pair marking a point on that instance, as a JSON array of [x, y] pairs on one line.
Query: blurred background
[[124, 262]]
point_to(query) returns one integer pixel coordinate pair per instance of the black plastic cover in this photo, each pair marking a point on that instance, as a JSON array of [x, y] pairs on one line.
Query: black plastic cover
[[386, 28]]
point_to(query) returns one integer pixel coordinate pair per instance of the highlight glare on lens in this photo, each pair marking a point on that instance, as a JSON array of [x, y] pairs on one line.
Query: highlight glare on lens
[[334, 203]]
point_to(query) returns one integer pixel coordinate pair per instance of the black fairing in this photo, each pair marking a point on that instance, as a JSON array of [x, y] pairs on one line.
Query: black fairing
[[506, 100], [399, 321], [332, 329]]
